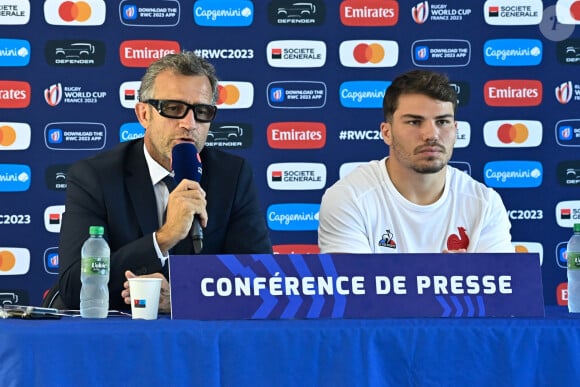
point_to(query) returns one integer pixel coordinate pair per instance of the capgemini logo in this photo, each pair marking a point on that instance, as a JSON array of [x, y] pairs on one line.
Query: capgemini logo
[[53, 94], [420, 12], [23, 177], [564, 92]]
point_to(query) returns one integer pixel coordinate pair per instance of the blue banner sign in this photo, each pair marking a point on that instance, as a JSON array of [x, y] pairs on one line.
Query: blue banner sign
[[264, 286]]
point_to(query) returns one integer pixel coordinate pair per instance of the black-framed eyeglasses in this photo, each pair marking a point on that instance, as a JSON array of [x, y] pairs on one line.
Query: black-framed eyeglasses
[[177, 109]]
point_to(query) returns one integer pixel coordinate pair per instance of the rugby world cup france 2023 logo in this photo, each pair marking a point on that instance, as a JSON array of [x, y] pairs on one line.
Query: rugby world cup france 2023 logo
[[53, 94]]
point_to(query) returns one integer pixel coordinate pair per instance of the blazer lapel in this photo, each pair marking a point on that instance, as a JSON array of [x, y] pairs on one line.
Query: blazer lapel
[[141, 193]]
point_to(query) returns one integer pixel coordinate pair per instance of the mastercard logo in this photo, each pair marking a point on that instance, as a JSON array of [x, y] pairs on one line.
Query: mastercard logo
[[575, 10], [14, 260], [361, 53], [365, 53], [521, 249], [7, 135], [75, 11], [14, 136], [568, 11], [7, 260], [514, 134], [508, 133], [83, 12], [235, 95], [228, 95]]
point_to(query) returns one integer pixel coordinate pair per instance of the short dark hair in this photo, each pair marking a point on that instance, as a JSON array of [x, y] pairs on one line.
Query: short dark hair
[[429, 83], [183, 63]]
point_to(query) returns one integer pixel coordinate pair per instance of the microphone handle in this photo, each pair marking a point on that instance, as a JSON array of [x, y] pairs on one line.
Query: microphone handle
[[197, 235]]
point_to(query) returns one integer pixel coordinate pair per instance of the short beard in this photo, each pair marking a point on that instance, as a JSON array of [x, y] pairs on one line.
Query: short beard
[[428, 169]]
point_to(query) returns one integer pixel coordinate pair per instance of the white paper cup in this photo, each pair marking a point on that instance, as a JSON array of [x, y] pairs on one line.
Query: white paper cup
[[144, 297]]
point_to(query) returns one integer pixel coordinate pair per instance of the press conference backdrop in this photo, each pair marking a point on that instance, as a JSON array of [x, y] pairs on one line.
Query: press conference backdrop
[[301, 90]]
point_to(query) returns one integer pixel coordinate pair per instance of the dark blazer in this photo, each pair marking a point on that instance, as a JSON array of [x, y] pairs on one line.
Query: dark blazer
[[113, 189]]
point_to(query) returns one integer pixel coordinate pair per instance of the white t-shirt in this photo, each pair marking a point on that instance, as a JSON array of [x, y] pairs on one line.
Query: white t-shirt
[[364, 213]]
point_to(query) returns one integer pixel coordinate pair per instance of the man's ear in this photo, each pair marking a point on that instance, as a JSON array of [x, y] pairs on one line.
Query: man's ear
[[142, 112], [386, 132]]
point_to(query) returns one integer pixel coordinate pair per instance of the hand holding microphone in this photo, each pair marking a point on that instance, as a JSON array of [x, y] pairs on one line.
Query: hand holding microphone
[[186, 165]]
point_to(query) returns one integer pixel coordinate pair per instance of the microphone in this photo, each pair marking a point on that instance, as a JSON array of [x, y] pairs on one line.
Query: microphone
[[186, 164]]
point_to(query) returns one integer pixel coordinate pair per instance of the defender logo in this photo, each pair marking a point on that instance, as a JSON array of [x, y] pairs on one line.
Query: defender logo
[[55, 177], [569, 51], [463, 91], [569, 173], [296, 13], [229, 135], [86, 53]]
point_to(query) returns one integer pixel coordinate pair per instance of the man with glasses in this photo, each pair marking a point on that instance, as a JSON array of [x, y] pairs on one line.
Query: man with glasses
[[123, 189]]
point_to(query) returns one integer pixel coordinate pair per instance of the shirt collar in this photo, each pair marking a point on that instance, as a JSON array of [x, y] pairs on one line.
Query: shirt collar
[[156, 171]]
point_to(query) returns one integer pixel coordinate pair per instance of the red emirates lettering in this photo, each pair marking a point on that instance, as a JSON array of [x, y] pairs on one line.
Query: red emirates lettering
[[369, 13], [141, 53], [14, 94], [513, 92], [296, 135]]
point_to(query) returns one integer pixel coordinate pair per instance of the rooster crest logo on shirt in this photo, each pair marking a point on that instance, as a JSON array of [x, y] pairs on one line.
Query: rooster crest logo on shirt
[[387, 240], [456, 242]]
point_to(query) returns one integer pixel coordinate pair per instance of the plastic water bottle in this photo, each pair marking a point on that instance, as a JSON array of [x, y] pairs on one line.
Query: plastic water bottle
[[573, 257], [95, 267]]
